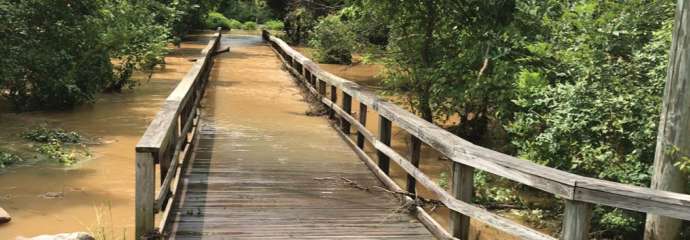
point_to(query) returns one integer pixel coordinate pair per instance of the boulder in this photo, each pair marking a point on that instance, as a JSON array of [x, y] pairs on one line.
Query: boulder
[[61, 236], [4, 216]]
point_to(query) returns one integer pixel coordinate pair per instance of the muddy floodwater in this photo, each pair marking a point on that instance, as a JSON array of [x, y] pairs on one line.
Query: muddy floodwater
[[46, 198]]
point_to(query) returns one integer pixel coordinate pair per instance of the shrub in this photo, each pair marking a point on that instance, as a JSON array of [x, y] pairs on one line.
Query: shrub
[[8, 158], [134, 38], [215, 20], [49, 65], [274, 25], [333, 41], [234, 24], [249, 26]]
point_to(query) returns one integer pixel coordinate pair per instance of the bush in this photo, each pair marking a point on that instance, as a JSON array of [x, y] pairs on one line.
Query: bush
[[333, 41], [215, 20], [134, 38], [249, 26], [234, 24], [274, 25], [50, 65]]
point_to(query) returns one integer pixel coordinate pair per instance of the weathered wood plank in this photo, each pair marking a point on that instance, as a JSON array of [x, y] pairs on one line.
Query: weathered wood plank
[[462, 189], [576, 220]]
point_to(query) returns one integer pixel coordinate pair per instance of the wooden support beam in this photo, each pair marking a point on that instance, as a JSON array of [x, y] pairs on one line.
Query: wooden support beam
[[363, 121], [576, 220], [144, 194], [462, 188], [415, 152], [334, 99], [347, 107], [385, 138]]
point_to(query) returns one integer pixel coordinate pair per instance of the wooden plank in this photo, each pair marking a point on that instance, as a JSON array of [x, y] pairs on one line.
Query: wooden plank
[[462, 186], [576, 220], [385, 138], [436, 229]]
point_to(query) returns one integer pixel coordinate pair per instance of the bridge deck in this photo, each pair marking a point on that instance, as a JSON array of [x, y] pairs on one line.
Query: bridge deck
[[265, 170]]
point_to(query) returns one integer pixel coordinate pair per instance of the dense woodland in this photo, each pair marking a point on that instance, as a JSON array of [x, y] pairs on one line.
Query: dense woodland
[[574, 85]]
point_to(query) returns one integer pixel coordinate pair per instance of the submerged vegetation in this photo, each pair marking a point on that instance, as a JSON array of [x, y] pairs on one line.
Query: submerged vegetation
[[56, 144], [7, 159]]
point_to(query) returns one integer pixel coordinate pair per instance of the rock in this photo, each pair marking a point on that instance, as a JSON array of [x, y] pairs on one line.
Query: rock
[[52, 195], [4, 216], [61, 236]]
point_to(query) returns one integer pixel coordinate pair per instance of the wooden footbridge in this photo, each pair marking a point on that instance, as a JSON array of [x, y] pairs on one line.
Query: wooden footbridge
[[204, 173]]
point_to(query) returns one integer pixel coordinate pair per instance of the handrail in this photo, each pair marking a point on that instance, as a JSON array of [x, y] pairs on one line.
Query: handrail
[[168, 141], [579, 192]]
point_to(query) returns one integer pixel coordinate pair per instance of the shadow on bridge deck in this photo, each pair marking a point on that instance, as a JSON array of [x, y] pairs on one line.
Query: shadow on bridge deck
[[265, 170]]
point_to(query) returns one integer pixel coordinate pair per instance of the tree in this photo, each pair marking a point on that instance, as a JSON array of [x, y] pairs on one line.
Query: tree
[[672, 142]]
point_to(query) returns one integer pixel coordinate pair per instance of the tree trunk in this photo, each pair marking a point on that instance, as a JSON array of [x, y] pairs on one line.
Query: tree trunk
[[674, 125]]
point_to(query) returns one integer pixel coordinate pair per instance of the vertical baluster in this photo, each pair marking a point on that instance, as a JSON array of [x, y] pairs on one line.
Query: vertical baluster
[[576, 220], [334, 99], [462, 189], [347, 107], [385, 138], [363, 121], [415, 148]]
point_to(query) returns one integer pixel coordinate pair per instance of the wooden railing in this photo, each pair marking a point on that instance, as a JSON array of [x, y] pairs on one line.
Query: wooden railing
[[579, 193], [168, 142]]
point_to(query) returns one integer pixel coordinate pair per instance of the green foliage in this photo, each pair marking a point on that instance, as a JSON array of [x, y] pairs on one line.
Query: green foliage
[[134, 38], [43, 134], [216, 20], [249, 26], [244, 10], [55, 151], [591, 106], [8, 159], [443, 180], [332, 41], [52, 56], [275, 25], [58, 53], [53, 142], [235, 24]]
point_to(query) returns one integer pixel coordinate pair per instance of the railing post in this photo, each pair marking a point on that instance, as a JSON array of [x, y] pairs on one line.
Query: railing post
[[462, 188], [385, 138], [144, 195], [334, 99], [363, 121], [347, 107], [576, 220], [415, 154], [322, 88]]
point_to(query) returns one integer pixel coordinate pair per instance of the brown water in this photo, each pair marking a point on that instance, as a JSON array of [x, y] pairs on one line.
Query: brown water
[[102, 185]]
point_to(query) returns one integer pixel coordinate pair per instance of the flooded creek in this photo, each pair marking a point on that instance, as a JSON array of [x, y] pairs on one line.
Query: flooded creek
[[101, 185]]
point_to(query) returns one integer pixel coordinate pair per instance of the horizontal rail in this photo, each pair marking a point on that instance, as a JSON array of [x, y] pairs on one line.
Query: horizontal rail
[[565, 185], [167, 142]]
